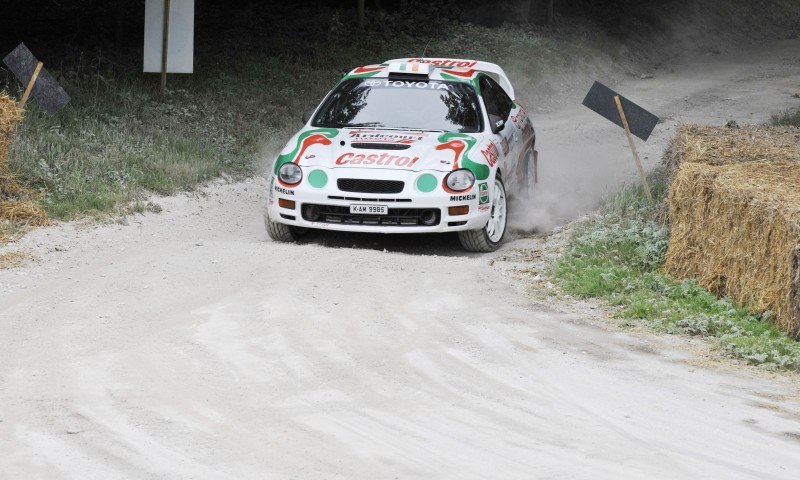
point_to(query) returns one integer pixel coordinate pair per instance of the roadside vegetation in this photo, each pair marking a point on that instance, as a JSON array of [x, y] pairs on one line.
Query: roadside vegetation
[[787, 118], [616, 256]]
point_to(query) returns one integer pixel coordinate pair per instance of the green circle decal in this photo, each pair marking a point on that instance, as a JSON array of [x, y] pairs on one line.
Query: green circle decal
[[426, 183], [317, 178]]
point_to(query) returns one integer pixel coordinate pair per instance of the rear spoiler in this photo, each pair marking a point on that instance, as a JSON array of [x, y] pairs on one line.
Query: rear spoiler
[[492, 69]]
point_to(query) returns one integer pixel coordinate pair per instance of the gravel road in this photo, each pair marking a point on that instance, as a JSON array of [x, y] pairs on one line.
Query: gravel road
[[186, 345]]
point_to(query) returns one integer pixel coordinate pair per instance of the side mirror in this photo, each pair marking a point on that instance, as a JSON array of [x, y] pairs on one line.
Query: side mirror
[[307, 115], [496, 123]]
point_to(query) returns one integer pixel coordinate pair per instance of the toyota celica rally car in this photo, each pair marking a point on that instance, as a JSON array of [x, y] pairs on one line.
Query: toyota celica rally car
[[412, 145]]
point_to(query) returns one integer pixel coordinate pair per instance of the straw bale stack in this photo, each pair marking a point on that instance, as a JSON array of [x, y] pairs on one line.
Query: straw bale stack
[[734, 206], [9, 116], [723, 145]]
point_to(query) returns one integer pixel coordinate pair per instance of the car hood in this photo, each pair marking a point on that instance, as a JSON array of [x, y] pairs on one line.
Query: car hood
[[382, 149]]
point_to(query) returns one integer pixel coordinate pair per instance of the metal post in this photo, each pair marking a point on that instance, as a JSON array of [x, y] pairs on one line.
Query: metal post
[[164, 46]]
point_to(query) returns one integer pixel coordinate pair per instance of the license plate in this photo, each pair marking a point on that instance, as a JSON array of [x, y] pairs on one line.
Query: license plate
[[369, 209]]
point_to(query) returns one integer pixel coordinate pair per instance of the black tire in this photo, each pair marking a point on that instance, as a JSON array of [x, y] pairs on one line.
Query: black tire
[[280, 232], [478, 240]]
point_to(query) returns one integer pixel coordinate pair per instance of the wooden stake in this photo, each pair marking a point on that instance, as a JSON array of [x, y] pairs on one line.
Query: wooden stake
[[164, 46], [633, 148], [31, 82]]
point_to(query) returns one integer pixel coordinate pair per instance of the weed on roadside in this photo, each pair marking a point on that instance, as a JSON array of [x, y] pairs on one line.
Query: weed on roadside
[[787, 118], [617, 254]]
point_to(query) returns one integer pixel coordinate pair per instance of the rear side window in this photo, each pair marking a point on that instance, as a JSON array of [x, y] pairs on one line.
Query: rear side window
[[495, 98]]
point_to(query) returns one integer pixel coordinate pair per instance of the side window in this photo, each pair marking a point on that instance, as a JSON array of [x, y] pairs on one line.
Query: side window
[[496, 100]]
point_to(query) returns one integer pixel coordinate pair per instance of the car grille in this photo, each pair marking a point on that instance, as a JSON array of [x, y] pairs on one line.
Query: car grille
[[369, 199], [369, 186], [404, 217]]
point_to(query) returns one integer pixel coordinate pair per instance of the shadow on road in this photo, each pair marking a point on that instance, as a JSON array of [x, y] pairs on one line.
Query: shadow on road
[[442, 244]]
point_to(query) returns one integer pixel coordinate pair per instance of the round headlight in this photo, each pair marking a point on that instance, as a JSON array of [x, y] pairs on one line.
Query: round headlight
[[290, 173], [460, 180]]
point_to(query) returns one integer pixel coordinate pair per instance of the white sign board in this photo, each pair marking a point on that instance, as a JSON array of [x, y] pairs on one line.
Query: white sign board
[[180, 51]]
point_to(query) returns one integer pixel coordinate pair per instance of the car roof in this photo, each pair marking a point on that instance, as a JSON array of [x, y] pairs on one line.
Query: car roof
[[438, 69]]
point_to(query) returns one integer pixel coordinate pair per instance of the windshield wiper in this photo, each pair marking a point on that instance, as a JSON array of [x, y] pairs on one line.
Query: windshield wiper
[[357, 125], [411, 129]]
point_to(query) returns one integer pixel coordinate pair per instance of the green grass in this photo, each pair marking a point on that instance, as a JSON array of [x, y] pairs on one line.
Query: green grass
[[787, 118], [617, 256], [119, 140]]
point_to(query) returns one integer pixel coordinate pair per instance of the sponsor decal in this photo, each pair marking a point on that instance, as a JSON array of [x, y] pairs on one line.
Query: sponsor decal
[[368, 69], [527, 131], [384, 159], [365, 136], [504, 146], [365, 71], [320, 136], [284, 191], [445, 62], [491, 154], [463, 198], [385, 83], [483, 189], [520, 118], [461, 144], [457, 146], [484, 208]]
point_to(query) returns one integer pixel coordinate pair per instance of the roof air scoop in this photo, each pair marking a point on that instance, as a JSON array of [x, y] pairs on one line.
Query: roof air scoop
[[409, 71]]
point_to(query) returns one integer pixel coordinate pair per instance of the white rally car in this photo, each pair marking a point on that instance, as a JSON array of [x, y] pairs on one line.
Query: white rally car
[[409, 146]]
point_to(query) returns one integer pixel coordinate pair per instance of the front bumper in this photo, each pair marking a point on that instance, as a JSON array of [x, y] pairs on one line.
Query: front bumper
[[406, 209]]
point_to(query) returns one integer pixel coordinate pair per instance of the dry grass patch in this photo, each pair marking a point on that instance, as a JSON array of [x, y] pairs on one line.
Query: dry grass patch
[[14, 259]]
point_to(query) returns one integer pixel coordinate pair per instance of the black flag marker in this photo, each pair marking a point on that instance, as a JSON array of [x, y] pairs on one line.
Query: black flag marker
[[46, 90], [600, 99]]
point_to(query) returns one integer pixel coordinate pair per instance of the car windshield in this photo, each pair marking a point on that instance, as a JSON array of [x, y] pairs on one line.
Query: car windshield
[[401, 104]]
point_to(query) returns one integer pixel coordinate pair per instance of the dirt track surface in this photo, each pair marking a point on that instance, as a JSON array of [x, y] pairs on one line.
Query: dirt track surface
[[187, 345]]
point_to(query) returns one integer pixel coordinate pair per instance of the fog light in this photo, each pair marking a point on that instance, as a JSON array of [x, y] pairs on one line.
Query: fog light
[[428, 217], [311, 212], [286, 203], [460, 210]]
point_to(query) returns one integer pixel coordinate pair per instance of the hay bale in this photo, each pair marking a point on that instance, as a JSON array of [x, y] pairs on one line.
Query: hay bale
[[9, 116], [736, 228], [724, 145], [14, 198]]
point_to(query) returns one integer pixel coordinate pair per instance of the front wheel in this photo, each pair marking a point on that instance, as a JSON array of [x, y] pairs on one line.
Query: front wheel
[[280, 232], [489, 238]]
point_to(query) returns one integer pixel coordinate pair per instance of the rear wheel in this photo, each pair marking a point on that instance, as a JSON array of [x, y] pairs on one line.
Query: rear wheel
[[529, 187], [489, 238]]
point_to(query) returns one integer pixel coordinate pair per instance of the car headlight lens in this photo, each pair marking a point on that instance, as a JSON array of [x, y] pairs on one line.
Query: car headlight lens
[[460, 180], [290, 173]]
